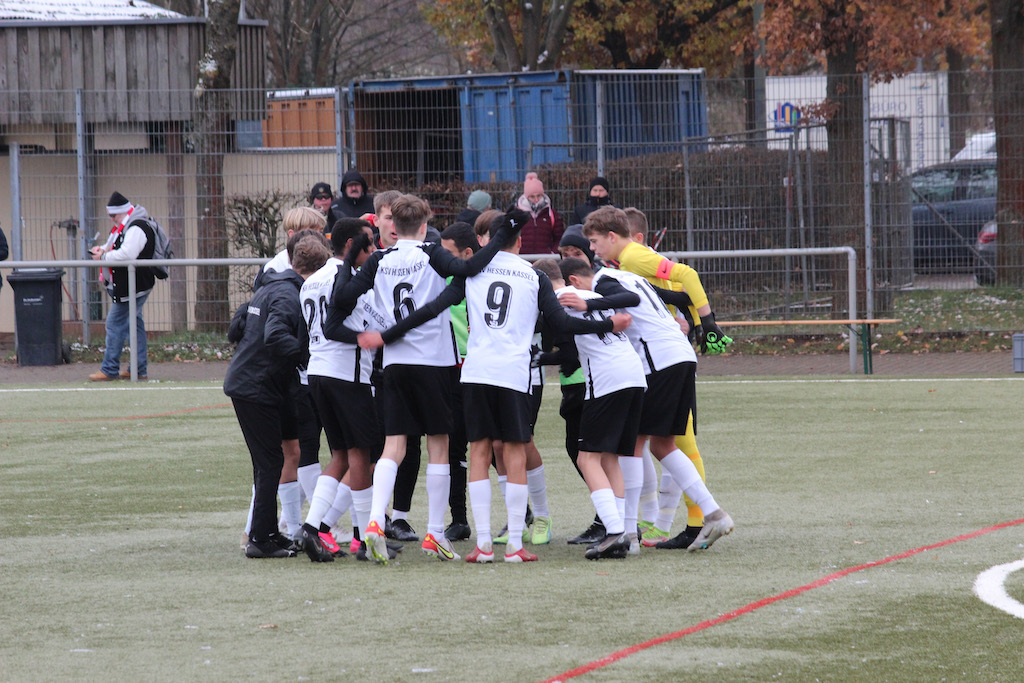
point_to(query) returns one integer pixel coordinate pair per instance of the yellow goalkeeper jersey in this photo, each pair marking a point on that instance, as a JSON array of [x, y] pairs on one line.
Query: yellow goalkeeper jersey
[[662, 272]]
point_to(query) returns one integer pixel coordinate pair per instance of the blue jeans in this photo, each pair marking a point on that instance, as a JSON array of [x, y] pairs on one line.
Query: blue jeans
[[117, 335]]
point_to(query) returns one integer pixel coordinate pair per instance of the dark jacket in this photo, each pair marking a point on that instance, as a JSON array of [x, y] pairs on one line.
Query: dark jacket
[[580, 213], [544, 230], [346, 206], [4, 252], [144, 278], [269, 330]]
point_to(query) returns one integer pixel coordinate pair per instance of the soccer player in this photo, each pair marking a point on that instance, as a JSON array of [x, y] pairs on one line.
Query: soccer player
[[669, 362], [612, 405], [502, 302], [417, 368]]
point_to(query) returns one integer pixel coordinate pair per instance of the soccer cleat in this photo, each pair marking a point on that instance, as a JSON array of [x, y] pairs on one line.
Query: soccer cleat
[[612, 546], [266, 549], [594, 533], [360, 552], [681, 540], [457, 531], [541, 531], [354, 545], [634, 544], [330, 544], [314, 546], [653, 536], [642, 526], [286, 542], [401, 530], [441, 548], [376, 542], [520, 555], [480, 555], [713, 530]]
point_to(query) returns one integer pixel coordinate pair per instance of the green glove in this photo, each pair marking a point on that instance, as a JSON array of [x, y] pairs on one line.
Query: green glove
[[710, 336]]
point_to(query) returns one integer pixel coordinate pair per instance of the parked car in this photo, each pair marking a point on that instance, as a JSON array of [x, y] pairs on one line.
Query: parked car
[[985, 265], [980, 146], [951, 203]]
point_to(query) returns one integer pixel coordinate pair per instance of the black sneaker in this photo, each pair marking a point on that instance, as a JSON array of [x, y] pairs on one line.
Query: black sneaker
[[612, 546], [457, 531], [684, 539], [402, 531], [314, 547], [288, 544], [266, 549], [361, 553], [594, 533]]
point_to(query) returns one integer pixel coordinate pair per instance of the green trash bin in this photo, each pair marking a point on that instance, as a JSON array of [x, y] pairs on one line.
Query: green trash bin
[[37, 316]]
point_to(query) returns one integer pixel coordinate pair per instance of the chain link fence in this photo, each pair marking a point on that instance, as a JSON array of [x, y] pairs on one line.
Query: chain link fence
[[714, 164]]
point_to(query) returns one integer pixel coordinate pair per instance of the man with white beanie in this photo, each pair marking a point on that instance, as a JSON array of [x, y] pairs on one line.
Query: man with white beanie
[[131, 237]]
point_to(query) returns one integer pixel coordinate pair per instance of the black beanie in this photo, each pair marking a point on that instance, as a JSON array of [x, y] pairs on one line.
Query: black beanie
[[118, 203], [572, 238], [598, 180], [320, 188]]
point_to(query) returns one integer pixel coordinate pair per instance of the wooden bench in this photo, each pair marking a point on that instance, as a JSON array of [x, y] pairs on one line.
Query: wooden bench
[[864, 334]]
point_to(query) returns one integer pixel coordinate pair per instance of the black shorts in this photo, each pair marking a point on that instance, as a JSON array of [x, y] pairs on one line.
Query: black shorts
[[670, 400], [536, 398], [610, 423], [347, 412], [416, 400], [496, 413]]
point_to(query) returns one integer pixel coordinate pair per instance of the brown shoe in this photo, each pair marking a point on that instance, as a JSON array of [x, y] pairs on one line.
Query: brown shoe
[[101, 377], [127, 374]]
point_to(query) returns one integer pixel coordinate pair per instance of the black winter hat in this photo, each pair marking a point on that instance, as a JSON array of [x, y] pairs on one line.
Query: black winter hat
[[598, 180], [320, 189], [118, 203], [573, 237]]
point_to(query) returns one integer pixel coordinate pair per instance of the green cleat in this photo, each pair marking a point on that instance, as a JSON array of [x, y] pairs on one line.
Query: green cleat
[[541, 531], [653, 536]]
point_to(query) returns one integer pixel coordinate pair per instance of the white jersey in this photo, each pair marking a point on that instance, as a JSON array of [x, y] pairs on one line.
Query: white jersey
[[654, 332], [501, 304], [402, 282], [329, 358], [608, 359]]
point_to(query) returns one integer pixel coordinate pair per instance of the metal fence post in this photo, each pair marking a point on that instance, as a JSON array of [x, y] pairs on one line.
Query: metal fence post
[[869, 260], [133, 328], [83, 191], [599, 120], [15, 200]]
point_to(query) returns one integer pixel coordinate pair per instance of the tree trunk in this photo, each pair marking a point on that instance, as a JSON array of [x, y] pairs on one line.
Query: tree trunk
[[1008, 100], [844, 164], [176, 223], [959, 100], [213, 141]]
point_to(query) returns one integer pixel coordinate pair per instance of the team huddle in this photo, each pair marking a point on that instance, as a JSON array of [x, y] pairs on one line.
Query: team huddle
[[399, 337]]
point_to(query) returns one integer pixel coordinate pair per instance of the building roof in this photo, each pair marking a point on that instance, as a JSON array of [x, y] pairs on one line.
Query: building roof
[[85, 11]]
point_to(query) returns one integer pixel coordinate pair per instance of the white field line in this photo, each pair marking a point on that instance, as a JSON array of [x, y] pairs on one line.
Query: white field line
[[990, 587], [219, 386]]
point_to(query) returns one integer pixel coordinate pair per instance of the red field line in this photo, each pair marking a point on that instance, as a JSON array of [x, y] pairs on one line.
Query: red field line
[[746, 609]]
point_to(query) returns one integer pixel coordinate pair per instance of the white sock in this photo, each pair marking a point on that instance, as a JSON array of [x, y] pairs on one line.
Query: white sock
[[538, 491], [480, 503], [308, 475], [649, 492], [361, 501], [323, 497], [248, 520], [383, 487], [291, 506], [516, 496], [439, 488], [633, 481], [502, 482], [668, 501], [399, 514], [620, 507], [604, 503], [688, 479], [342, 502]]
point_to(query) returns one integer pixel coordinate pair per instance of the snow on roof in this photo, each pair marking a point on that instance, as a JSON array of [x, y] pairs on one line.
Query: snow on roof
[[82, 10]]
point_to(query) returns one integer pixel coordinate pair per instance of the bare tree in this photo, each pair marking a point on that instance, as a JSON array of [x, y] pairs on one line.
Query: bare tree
[[329, 42], [1008, 94], [542, 30]]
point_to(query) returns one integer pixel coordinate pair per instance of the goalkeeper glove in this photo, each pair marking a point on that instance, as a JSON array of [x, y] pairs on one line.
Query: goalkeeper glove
[[709, 334]]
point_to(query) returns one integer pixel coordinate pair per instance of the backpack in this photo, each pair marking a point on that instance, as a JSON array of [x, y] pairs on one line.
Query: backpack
[[161, 250]]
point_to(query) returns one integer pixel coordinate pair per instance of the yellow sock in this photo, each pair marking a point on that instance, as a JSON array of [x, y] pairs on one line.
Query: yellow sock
[[687, 443]]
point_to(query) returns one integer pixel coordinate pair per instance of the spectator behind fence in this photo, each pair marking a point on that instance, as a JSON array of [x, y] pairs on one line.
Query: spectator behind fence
[[355, 199], [597, 197], [132, 237], [544, 230], [4, 252], [321, 197], [478, 202]]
